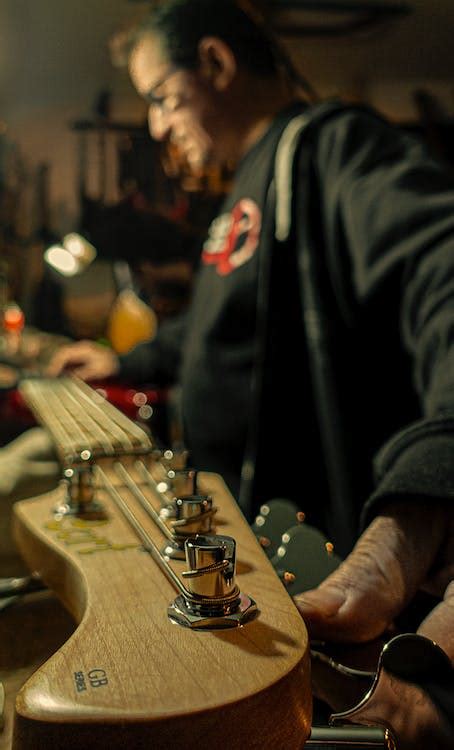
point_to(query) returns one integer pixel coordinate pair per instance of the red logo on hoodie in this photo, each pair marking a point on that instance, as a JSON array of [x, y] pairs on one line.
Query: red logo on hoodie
[[233, 237]]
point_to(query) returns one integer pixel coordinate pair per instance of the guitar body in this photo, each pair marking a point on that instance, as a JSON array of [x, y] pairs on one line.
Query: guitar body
[[301, 555], [128, 677]]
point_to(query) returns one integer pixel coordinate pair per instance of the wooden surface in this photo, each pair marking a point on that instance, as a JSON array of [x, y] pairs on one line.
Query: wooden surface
[[143, 681]]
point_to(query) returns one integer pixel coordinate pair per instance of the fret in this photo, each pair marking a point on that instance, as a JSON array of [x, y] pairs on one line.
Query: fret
[[53, 418], [80, 419], [109, 416]]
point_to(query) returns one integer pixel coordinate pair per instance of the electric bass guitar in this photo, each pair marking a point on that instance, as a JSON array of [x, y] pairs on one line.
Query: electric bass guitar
[[185, 635]]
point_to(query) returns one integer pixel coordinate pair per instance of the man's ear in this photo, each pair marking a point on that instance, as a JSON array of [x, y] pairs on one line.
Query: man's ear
[[217, 61]]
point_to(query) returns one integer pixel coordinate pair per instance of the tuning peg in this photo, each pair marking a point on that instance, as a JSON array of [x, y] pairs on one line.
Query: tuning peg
[[193, 515], [212, 599], [79, 494]]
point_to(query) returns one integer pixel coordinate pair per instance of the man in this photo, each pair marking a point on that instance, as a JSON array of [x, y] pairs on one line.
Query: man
[[380, 216]]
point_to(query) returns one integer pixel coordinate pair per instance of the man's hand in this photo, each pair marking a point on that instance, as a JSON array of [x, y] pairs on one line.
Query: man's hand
[[409, 547], [86, 359]]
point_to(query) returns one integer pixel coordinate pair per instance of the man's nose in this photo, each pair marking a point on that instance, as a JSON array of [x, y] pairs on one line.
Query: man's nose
[[158, 123]]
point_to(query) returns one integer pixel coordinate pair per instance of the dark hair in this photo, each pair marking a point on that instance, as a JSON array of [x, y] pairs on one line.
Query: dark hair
[[181, 24]]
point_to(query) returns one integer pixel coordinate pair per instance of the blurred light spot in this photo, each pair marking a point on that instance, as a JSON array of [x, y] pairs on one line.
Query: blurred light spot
[[145, 412], [62, 260]]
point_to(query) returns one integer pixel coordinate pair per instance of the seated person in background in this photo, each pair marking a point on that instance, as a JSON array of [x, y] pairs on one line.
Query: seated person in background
[[370, 256]]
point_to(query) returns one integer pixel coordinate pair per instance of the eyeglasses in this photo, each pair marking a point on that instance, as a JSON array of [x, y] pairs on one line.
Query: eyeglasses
[[165, 103]]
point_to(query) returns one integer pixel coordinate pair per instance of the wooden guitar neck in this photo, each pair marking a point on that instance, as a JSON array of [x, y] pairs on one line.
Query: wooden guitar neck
[[80, 419]]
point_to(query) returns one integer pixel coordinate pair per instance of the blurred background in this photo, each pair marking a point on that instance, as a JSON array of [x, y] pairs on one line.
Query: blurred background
[[100, 227], [57, 79]]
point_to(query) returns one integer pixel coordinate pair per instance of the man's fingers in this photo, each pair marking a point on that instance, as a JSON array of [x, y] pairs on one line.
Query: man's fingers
[[439, 624], [66, 358], [356, 603], [86, 359], [83, 371], [382, 574]]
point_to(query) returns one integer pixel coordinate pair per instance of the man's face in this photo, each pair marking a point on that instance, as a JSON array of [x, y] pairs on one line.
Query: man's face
[[181, 102]]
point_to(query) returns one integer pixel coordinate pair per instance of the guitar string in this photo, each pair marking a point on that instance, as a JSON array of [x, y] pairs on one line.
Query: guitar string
[[61, 398], [85, 425], [37, 395], [114, 415], [143, 535], [153, 550], [148, 478], [147, 506], [51, 405], [108, 414], [37, 402], [150, 481], [52, 397], [101, 431], [144, 502], [58, 393], [339, 667]]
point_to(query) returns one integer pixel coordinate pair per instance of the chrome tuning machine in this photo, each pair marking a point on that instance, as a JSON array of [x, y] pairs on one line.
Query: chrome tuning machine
[[80, 500], [193, 515], [179, 482], [211, 599]]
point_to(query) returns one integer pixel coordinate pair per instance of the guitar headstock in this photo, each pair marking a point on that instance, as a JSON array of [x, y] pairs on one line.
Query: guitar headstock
[[129, 674]]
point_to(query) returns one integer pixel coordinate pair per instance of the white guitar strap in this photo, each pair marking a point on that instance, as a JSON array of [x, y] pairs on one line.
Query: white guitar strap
[[283, 168], [284, 159]]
